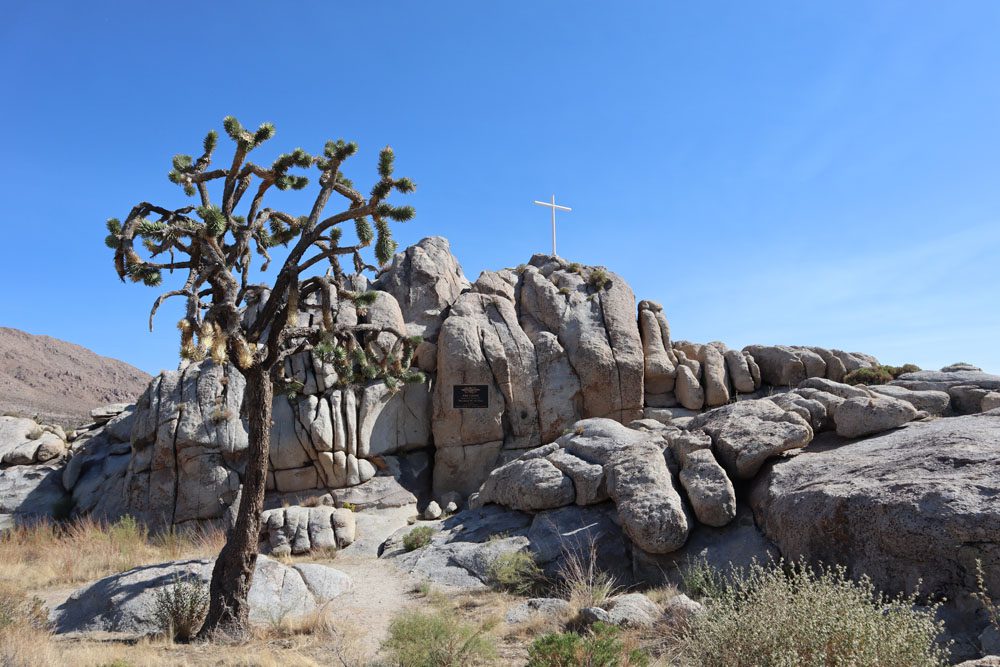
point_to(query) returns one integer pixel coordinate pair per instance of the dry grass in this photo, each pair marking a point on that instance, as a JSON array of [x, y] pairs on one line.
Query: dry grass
[[44, 555], [582, 582]]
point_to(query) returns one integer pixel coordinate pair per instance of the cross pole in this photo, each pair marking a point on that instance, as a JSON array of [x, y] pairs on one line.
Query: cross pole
[[553, 206]]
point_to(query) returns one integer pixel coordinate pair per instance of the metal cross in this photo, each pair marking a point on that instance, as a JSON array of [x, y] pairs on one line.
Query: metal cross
[[553, 206]]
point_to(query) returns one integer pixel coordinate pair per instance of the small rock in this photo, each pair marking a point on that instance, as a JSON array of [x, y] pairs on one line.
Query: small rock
[[432, 511], [680, 609], [991, 401], [550, 608], [633, 610], [591, 615], [450, 508]]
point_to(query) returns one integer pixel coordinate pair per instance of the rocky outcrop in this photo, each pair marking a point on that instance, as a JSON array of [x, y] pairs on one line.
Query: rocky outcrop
[[789, 366], [126, 602], [917, 503], [425, 279], [298, 530], [599, 459], [746, 434], [189, 439], [857, 417], [24, 442]]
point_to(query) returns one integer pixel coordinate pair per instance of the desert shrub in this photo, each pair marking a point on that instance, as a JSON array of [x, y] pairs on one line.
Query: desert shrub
[[417, 538], [798, 615], [179, 609], [17, 610], [515, 572], [982, 595], [599, 278], [581, 581], [600, 647], [437, 639], [701, 580], [879, 374]]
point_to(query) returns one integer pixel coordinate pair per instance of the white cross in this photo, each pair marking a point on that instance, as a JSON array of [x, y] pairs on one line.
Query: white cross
[[553, 206]]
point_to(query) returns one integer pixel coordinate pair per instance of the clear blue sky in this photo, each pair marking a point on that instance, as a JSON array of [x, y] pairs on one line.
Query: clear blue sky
[[772, 172]]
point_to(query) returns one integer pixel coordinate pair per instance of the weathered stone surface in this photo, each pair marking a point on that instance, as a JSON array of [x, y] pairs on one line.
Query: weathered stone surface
[[24, 442], [917, 503], [738, 367], [188, 442], [747, 433], [943, 380], [931, 402], [29, 492], [595, 325], [635, 476], [532, 484], [560, 401], [812, 411], [433, 511], [708, 488], [125, 602], [659, 369], [836, 388], [732, 547], [483, 343], [713, 365], [546, 608], [779, 365], [688, 389], [967, 399], [299, 530], [633, 610], [393, 422], [857, 417], [425, 279], [991, 401]]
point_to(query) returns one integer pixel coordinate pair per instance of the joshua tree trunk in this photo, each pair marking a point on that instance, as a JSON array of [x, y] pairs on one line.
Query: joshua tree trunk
[[228, 610]]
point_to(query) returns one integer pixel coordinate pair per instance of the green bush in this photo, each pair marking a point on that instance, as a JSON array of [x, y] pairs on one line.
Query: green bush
[[879, 374], [599, 279], [516, 572], [417, 538], [179, 609], [601, 647], [437, 639], [808, 617], [700, 580]]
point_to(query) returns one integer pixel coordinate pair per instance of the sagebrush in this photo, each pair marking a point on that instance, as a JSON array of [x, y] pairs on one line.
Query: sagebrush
[[794, 614], [516, 572], [180, 608], [601, 646], [417, 538], [437, 639]]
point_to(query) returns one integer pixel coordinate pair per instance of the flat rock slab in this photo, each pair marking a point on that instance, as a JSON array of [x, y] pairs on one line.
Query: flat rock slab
[[917, 503], [126, 602]]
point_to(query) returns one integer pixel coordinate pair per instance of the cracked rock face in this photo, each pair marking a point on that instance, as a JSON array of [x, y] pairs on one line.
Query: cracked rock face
[[746, 434], [552, 344], [919, 502], [189, 441], [425, 279], [599, 459]]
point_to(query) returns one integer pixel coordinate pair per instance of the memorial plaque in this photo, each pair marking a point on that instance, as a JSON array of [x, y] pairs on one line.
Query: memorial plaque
[[470, 396]]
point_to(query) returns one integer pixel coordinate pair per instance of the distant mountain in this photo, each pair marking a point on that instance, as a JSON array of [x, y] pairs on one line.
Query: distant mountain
[[59, 381]]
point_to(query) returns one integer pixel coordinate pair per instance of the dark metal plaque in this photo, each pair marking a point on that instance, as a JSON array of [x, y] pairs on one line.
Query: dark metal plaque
[[470, 396]]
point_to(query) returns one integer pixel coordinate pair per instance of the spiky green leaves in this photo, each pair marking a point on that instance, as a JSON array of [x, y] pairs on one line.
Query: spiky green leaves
[[395, 213], [363, 299], [114, 226], [364, 231], [386, 162], [215, 221], [210, 141], [385, 247], [405, 185], [340, 150], [242, 136], [287, 182], [145, 274]]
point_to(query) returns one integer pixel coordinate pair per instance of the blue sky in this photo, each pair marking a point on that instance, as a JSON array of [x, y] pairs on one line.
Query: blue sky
[[772, 172]]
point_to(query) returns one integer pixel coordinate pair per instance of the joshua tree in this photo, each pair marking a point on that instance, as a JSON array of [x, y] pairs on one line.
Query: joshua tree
[[215, 247]]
